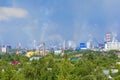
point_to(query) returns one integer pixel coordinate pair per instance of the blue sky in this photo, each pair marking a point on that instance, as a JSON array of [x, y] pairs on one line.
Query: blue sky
[[48, 20]]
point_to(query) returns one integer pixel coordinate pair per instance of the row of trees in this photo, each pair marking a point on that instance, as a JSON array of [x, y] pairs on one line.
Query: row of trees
[[55, 67]]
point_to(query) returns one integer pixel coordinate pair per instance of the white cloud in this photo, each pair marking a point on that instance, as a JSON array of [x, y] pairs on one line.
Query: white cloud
[[7, 13]]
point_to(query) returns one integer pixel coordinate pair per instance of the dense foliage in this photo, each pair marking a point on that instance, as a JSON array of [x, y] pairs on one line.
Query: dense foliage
[[55, 67]]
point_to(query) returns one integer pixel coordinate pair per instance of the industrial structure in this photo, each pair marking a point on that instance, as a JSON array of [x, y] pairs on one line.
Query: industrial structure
[[34, 42], [41, 50], [108, 37], [19, 46], [44, 50], [111, 42]]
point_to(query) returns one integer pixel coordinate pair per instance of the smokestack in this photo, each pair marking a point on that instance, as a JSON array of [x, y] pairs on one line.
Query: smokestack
[[34, 44], [44, 50], [108, 37], [64, 45], [19, 45]]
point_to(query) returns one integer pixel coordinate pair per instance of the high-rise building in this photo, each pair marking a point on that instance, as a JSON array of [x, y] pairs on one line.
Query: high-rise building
[[88, 45], [83, 46]]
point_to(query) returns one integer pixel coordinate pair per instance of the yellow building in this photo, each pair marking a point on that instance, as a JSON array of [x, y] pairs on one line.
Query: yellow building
[[29, 54]]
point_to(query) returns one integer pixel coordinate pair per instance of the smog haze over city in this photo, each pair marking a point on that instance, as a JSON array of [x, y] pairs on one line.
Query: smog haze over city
[[57, 20]]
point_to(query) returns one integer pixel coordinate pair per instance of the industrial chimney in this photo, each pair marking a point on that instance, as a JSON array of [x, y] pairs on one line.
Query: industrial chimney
[[108, 37], [44, 50]]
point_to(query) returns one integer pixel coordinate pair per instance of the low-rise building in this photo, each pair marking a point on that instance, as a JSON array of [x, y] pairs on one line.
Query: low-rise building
[[57, 52], [118, 54], [5, 49], [112, 46]]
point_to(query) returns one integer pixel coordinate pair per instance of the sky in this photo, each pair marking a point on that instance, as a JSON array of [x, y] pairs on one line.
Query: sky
[[57, 20]]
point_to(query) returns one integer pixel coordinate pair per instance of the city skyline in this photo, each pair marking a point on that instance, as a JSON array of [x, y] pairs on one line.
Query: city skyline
[[43, 20]]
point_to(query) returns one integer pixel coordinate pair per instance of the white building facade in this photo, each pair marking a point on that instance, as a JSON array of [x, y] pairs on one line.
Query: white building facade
[[112, 46]]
